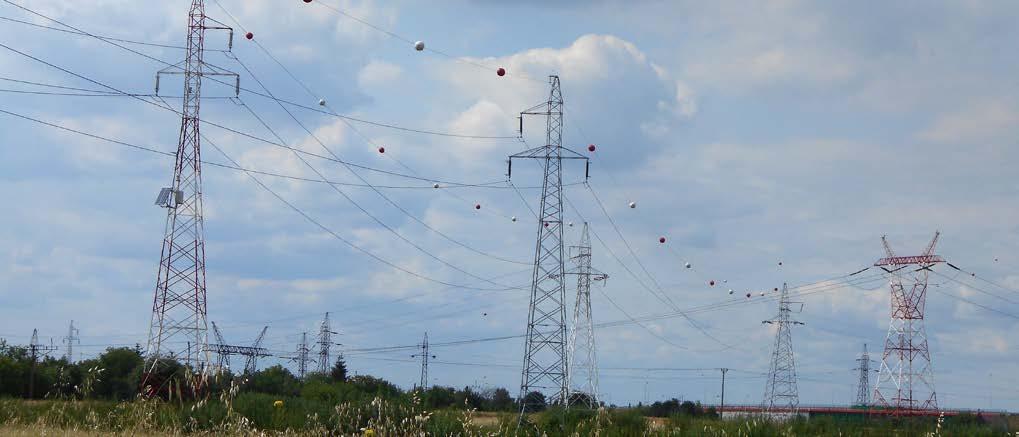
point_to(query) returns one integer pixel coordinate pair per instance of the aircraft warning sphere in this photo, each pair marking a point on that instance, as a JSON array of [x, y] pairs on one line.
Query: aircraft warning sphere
[[748, 295], [435, 185], [661, 239], [321, 102], [382, 150], [687, 265], [514, 218], [477, 206], [633, 205], [730, 291], [546, 224], [590, 147], [249, 35], [711, 282], [501, 71], [419, 46]]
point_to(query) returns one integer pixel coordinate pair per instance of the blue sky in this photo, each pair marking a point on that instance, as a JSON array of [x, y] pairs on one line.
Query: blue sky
[[747, 133]]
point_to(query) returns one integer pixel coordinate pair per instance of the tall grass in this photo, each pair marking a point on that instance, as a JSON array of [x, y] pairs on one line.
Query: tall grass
[[234, 413]]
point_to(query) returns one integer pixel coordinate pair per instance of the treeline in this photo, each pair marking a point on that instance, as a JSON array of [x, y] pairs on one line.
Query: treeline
[[116, 375]]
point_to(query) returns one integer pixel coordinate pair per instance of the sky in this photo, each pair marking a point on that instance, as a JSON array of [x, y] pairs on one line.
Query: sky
[[747, 133]]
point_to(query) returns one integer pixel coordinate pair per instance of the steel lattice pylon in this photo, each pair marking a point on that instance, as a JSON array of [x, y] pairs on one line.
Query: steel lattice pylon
[[545, 360], [906, 378], [780, 391], [324, 342], [179, 306], [863, 385], [424, 355], [583, 360], [301, 357]]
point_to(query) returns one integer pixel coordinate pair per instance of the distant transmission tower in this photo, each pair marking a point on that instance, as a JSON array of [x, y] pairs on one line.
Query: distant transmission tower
[[302, 356], [35, 349], [179, 304], [780, 391], [324, 342], [224, 351], [583, 368], [70, 340], [424, 355], [863, 386], [906, 378], [545, 360]]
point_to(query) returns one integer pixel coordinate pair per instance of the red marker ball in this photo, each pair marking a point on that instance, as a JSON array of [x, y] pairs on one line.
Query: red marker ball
[[748, 295], [711, 283], [546, 224], [477, 206], [382, 150], [307, 1], [590, 147], [501, 71], [249, 35], [661, 239]]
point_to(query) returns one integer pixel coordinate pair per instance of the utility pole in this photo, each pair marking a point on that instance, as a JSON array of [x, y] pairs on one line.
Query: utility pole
[[324, 342], [424, 355], [545, 366], [34, 350], [863, 386], [583, 368], [70, 340], [781, 391], [721, 407], [179, 302], [906, 379]]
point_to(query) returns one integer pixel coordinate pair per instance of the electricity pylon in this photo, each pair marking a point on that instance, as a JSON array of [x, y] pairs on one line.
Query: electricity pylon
[[70, 340], [325, 341], [780, 392], [224, 351], [424, 355], [545, 360], [863, 385], [302, 356], [34, 350], [583, 368], [906, 379], [179, 304]]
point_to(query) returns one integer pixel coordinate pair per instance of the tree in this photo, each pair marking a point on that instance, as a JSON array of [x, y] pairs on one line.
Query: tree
[[501, 400], [535, 401], [339, 371], [275, 380]]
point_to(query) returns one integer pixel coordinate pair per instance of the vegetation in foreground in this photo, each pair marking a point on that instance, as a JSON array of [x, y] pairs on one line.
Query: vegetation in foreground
[[98, 397]]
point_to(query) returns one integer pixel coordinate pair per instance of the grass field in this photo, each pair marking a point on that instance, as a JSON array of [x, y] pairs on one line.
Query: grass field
[[258, 414]]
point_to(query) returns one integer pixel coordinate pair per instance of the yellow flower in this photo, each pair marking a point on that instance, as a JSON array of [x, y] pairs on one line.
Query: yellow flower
[[278, 404], [369, 432]]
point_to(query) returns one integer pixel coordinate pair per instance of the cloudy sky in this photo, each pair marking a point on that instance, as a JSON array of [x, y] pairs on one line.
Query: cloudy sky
[[747, 133]]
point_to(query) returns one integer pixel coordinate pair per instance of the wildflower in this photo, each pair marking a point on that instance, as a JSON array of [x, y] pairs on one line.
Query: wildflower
[[278, 404], [368, 432]]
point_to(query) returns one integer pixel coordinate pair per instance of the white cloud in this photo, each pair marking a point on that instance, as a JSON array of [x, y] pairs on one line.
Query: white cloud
[[378, 74]]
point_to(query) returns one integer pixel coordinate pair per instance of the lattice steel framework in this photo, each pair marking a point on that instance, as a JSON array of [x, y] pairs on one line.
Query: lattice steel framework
[[70, 340], [906, 378], [545, 348], [251, 353], [863, 385], [302, 357], [179, 305], [325, 341], [780, 392], [424, 355], [583, 359]]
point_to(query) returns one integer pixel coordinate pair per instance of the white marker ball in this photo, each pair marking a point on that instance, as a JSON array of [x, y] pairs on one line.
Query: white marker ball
[[419, 46]]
